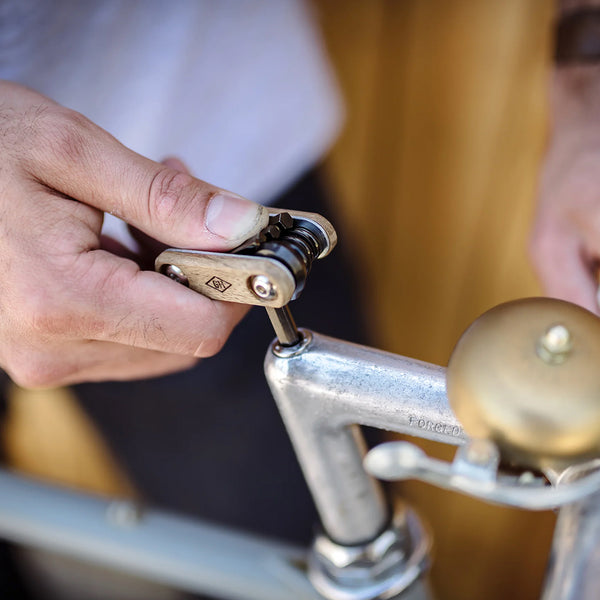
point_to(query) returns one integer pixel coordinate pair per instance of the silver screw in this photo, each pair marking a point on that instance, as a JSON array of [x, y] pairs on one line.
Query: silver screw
[[263, 288], [123, 514], [176, 274], [555, 344], [526, 478]]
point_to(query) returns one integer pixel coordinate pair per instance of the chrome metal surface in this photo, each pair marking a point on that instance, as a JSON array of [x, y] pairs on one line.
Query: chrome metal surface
[[385, 567], [574, 566], [183, 553], [263, 287], [474, 471], [324, 392], [283, 219], [284, 325], [316, 223]]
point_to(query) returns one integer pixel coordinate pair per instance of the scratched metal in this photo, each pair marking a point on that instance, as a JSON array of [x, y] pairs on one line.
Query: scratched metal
[[331, 387]]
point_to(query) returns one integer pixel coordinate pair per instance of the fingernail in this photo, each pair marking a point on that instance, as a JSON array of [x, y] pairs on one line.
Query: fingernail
[[235, 218]]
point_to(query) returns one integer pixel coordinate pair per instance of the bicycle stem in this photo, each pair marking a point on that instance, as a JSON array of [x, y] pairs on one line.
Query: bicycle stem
[[327, 387]]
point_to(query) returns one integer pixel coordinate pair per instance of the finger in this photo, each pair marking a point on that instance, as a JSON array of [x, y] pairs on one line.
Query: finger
[[564, 267], [134, 363], [84, 162], [148, 310], [150, 248]]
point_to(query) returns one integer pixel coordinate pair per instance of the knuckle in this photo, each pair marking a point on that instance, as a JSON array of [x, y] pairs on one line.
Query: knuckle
[[51, 134], [43, 132], [171, 195], [68, 134]]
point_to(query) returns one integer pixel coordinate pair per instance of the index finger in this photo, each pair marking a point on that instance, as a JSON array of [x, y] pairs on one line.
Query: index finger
[[72, 155]]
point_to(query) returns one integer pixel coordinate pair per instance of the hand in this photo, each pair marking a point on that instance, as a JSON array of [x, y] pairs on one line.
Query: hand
[[565, 242], [70, 310]]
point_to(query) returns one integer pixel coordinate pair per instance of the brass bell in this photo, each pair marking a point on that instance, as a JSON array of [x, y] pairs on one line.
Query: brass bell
[[526, 375]]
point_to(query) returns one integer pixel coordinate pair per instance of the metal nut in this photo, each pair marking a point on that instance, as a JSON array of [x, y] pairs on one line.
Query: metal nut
[[365, 555], [555, 345], [382, 568]]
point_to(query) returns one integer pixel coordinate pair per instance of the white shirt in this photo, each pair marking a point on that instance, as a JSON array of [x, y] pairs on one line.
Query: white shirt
[[240, 90]]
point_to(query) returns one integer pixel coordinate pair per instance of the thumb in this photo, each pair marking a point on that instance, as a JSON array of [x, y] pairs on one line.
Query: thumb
[[88, 164], [149, 247]]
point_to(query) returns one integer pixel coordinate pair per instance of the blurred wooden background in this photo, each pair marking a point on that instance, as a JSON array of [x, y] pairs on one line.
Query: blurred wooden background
[[435, 176]]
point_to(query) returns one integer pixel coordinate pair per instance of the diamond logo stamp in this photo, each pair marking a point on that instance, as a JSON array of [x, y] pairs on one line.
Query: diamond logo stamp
[[218, 284]]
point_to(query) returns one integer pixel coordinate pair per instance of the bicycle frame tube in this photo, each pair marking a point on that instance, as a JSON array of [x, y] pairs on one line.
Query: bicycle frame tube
[[182, 553]]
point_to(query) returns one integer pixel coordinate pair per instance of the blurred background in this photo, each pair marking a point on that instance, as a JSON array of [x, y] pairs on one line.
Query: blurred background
[[435, 177]]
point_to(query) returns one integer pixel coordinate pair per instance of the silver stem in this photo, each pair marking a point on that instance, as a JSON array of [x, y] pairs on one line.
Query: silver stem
[[323, 392]]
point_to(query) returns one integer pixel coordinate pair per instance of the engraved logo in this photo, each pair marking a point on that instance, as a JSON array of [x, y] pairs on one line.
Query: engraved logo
[[443, 428], [218, 284]]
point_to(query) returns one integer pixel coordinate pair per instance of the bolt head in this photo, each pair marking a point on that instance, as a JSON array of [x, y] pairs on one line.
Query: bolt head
[[176, 274], [263, 287], [555, 344]]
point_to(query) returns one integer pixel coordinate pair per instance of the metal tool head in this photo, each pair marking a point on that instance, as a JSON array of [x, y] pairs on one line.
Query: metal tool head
[[267, 270], [526, 375]]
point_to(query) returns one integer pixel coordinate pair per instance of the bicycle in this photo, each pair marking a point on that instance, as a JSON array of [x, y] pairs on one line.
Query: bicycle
[[325, 389]]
